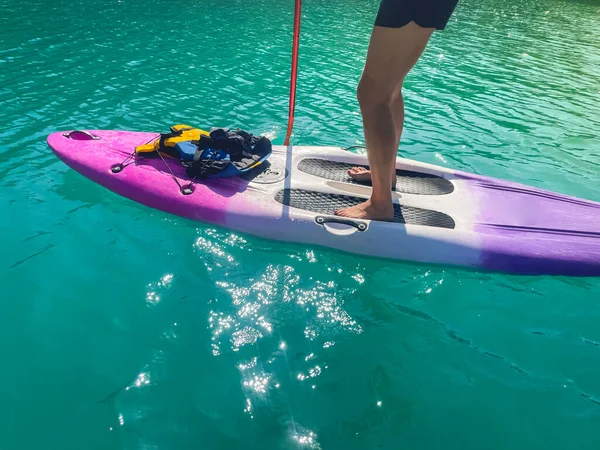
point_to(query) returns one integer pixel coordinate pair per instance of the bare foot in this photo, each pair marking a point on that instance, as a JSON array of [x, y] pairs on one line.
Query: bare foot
[[363, 175], [367, 211]]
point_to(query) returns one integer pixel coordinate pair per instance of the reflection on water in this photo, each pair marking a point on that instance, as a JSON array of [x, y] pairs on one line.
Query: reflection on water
[[287, 338]]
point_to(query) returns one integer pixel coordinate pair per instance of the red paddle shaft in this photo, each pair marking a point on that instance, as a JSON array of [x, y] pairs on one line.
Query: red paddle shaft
[[294, 71]]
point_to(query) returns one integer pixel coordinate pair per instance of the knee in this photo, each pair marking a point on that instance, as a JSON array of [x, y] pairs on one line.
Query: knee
[[371, 94]]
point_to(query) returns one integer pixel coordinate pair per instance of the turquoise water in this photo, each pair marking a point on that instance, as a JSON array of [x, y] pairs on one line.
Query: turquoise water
[[125, 328]]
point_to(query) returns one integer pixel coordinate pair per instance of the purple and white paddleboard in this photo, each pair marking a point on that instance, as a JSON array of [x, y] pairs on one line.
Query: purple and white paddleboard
[[442, 216]]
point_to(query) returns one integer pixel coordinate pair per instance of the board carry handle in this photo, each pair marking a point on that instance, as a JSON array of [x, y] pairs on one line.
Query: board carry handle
[[83, 135], [360, 226]]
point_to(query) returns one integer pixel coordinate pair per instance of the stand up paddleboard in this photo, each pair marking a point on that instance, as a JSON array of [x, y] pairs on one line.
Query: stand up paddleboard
[[441, 216]]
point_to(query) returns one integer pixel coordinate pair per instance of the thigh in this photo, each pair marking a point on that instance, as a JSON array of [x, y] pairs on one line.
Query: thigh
[[392, 53]]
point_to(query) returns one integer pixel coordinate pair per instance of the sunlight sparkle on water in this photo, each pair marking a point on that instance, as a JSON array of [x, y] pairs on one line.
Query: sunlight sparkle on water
[[263, 323], [152, 297], [248, 408], [248, 365], [358, 277], [245, 336], [308, 439], [142, 379], [258, 383], [165, 281]]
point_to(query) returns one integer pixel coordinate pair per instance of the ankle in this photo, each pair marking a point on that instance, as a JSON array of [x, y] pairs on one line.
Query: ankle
[[381, 203]]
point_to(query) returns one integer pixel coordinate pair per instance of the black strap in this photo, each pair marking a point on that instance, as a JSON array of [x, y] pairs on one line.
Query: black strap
[[204, 168]]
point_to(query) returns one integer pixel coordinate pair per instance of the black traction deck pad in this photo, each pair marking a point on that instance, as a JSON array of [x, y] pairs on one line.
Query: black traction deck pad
[[408, 182], [324, 203]]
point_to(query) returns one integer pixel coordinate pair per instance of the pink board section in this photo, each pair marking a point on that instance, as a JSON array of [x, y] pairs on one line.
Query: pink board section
[[145, 182]]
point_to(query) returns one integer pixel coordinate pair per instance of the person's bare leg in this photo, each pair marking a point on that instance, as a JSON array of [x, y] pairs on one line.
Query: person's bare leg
[[364, 175], [392, 53]]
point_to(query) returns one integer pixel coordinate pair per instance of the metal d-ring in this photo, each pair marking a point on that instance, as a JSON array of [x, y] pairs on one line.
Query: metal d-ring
[[187, 189]]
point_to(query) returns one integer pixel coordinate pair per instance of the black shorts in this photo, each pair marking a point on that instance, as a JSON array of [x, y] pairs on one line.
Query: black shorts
[[426, 13]]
